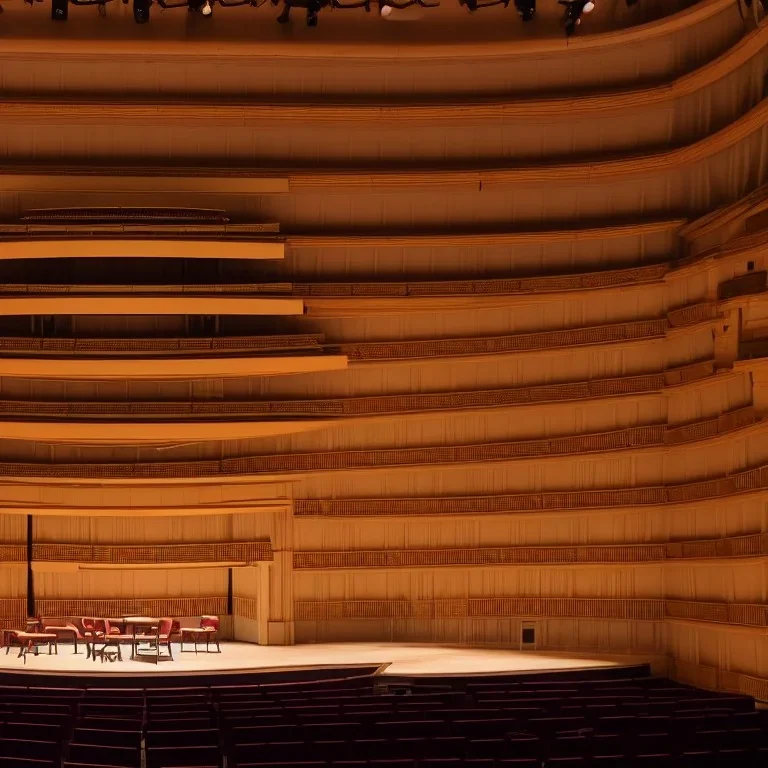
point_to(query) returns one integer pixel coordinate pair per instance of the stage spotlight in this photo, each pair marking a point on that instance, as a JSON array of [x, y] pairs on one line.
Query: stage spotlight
[[141, 11], [573, 12], [59, 10], [526, 9]]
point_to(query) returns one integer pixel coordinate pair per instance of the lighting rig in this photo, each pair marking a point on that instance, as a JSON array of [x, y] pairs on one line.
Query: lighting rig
[[573, 10]]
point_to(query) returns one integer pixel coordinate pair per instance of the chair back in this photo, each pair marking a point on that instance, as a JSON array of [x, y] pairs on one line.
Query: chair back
[[109, 629], [209, 622], [164, 627], [91, 624]]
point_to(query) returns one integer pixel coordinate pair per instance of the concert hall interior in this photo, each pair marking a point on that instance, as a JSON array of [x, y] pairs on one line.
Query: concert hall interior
[[382, 358]]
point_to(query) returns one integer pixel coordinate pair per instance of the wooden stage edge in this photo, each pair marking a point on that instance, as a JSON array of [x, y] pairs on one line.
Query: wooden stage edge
[[386, 659]]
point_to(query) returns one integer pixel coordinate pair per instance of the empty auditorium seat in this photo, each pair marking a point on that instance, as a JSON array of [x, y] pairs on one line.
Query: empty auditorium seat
[[178, 757]]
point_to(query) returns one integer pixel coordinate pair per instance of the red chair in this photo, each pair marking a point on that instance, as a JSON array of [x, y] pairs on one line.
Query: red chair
[[93, 629], [207, 631], [63, 629], [156, 641]]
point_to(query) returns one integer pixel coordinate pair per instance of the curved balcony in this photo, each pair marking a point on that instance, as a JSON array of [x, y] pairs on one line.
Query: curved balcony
[[275, 466], [481, 51], [168, 368], [71, 303], [357, 407], [716, 93], [754, 480], [107, 432], [136, 248]]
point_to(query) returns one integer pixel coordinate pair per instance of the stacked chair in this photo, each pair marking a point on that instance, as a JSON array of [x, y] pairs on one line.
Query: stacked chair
[[379, 722]]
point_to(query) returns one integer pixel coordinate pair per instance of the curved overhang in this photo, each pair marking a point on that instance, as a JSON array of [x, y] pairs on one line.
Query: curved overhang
[[481, 239], [165, 358], [386, 352], [278, 468], [83, 248], [350, 298], [730, 547], [108, 510], [108, 432], [716, 13], [74, 180], [133, 304], [168, 368], [47, 347], [95, 111], [751, 481], [368, 407], [378, 180], [586, 173]]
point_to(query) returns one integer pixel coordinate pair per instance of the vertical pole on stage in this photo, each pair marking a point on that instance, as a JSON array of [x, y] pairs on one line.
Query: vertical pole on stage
[[229, 592], [30, 575]]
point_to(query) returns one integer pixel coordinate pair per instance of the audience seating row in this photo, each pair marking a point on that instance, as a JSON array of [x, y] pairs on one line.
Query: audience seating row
[[360, 723]]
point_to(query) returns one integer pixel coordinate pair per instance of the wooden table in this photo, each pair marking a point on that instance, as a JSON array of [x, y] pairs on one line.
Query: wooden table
[[197, 635], [62, 630], [140, 622]]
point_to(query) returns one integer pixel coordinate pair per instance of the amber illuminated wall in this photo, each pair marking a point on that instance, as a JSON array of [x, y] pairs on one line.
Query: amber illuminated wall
[[425, 349]]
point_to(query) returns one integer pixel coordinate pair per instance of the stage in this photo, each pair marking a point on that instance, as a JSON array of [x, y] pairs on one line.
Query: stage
[[392, 659]]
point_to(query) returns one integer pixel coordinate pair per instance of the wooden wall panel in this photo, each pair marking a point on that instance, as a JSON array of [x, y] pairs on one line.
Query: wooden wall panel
[[133, 530], [480, 583], [441, 428], [464, 255], [163, 554], [127, 584], [564, 635], [547, 312], [739, 650], [711, 551], [653, 467], [179, 608], [245, 604], [13, 529], [731, 582], [736, 517], [709, 399]]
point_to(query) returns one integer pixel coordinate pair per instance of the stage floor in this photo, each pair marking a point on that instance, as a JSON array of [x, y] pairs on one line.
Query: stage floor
[[401, 659]]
